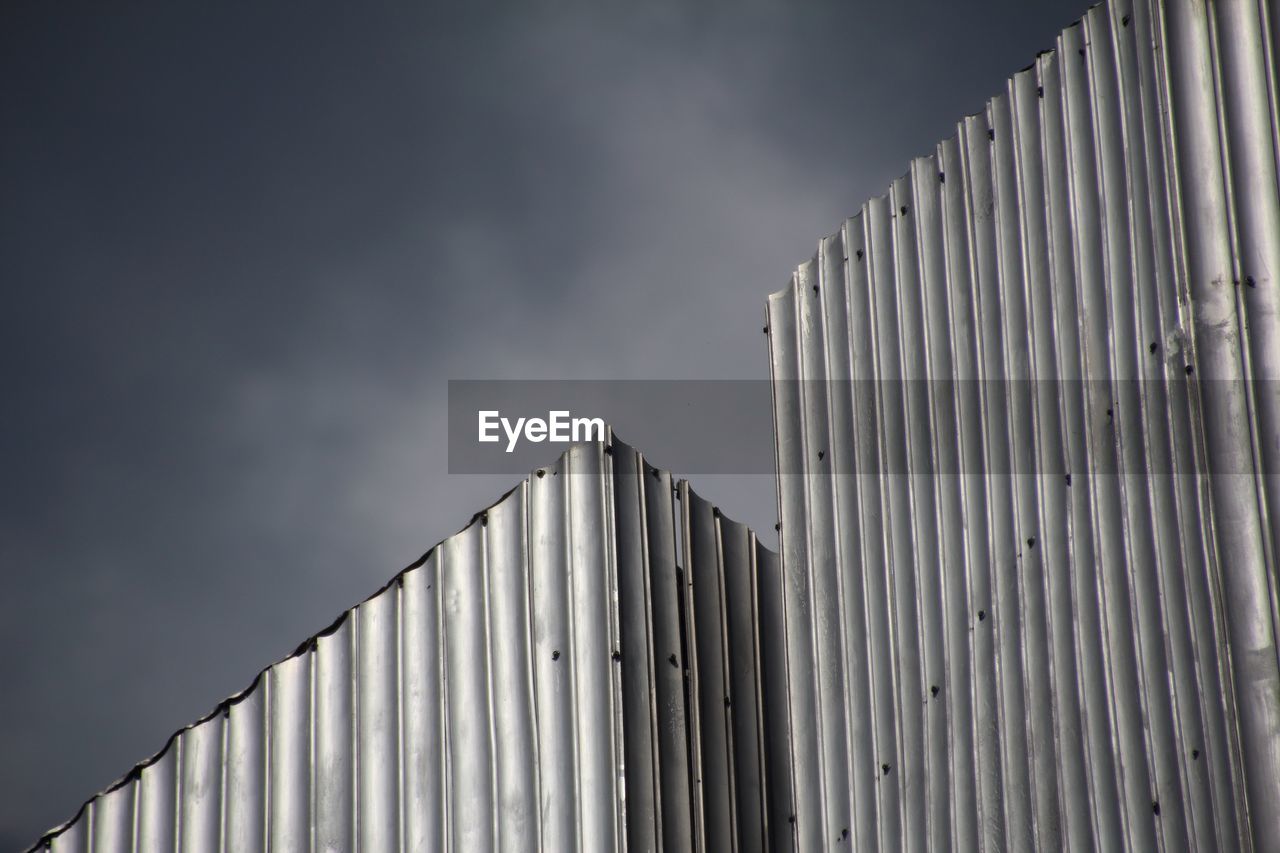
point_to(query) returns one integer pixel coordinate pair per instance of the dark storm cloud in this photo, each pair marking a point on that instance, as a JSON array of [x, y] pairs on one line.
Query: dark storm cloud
[[245, 247]]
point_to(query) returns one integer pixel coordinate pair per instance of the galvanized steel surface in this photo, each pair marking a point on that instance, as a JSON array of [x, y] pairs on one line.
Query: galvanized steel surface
[[551, 677], [1034, 606], [1043, 614]]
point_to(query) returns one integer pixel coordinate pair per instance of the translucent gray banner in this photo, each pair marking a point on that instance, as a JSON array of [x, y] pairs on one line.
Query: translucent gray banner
[[854, 427]]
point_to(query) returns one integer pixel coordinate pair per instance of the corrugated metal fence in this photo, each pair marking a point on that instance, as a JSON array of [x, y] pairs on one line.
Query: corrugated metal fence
[[580, 668], [1027, 436], [1028, 446]]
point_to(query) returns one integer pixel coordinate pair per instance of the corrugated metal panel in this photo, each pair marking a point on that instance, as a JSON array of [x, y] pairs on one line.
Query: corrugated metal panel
[[737, 686], [550, 676], [1027, 496], [1028, 444]]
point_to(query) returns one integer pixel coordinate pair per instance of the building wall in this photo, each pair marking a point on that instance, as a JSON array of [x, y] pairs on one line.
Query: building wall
[[580, 668], [1027, 443]]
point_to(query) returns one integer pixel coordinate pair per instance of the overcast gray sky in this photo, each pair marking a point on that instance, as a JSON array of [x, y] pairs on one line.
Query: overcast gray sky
[[243, 249]]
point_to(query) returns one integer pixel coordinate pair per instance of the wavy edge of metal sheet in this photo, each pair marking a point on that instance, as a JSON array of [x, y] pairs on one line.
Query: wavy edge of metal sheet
[[585, 666], [1023, 660]]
